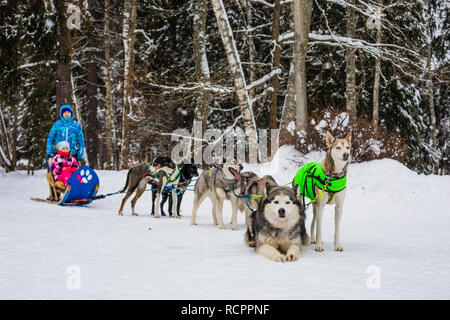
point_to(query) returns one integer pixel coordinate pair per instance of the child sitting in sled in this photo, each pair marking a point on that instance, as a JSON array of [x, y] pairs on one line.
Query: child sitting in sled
[[63, 164]]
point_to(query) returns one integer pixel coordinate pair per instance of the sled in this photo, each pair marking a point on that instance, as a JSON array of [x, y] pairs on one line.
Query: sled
[[81, 188]]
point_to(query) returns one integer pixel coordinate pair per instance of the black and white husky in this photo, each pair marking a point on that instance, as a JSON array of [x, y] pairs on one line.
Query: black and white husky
[[186, 174], [278, 226], [219, 183]]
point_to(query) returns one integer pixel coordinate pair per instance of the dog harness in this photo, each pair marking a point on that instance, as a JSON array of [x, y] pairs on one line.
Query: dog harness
[[311, 175]]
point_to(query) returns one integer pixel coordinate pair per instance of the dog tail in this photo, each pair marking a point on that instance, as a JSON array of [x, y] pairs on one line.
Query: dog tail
[[126, 183]]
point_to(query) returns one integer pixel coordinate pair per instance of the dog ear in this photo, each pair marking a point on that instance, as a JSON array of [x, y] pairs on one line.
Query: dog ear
[[269, 187], [349, 136], [329, 139]]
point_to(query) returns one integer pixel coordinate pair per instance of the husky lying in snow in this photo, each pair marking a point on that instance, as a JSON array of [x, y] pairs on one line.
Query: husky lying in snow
[[278, 226], [139, 176], [218, 183], [313, 177]]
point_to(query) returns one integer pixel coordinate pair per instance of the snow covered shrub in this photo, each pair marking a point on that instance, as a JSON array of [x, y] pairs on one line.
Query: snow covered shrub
[[367, 142]]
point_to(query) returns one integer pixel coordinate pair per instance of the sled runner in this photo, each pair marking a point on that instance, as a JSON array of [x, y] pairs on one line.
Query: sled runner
[[81, 188]]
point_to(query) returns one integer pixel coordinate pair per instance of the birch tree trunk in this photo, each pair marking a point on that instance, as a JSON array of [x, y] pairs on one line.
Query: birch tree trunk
[[251, 49], [376, 85], [275, 64], [302, 19], [129, 37], [108, 108], [288, 110], [350, 80], [201, 61], [8, 139], [235, 65], [203, 76]]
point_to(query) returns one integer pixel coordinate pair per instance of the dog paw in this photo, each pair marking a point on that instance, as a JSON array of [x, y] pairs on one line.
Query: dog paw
[[193, 223], [319, 248], [84, 176], [251, 244], [222, 227], [120, 213], [280, 258], [292, 257], [134, 214], [235, 228], [157, 216], [338, 248]]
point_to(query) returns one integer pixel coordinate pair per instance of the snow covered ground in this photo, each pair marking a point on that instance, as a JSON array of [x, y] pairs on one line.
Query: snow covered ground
[[395, 233]]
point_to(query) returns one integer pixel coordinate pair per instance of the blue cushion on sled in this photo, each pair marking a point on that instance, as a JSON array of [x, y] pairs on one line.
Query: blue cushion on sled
[[82, 184]]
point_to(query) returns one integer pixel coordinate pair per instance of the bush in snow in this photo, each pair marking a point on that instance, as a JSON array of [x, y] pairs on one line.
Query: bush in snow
[[367, 142]]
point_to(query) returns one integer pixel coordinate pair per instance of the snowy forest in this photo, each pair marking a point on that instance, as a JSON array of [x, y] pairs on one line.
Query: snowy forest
[[136, 70]]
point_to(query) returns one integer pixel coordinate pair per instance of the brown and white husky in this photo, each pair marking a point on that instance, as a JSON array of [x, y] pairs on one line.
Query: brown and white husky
[[335, 164]]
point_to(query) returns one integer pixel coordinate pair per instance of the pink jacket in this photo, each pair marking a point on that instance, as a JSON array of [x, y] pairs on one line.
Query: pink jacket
[[63, 163]]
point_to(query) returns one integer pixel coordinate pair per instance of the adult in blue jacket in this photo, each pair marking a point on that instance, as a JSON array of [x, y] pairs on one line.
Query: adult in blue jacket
[[66, 129]]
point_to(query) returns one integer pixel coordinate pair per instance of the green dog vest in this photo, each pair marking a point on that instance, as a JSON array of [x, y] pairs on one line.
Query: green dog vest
[[311, 175]]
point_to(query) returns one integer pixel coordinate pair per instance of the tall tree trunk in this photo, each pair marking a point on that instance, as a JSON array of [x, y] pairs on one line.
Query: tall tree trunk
[[201, 61], [129, 37], [109, 104], [350, 80], [91, 113], [91, 89], [203, 75], [7, 143], [275, 64], [430, 91], [376, 85], [288, 109], [302, 19], [14, 136], [238, 76], [251, 48], [63, 83]]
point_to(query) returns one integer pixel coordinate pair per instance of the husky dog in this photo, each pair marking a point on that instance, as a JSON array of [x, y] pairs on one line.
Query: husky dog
[[278, 226], [246, 177], [256, 186], [139, 176], [219, 183], [187, 172], [334, 167]]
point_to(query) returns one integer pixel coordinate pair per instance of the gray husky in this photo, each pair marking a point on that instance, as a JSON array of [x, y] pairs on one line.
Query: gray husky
[[278, 226], [138, 177], [219, 183]]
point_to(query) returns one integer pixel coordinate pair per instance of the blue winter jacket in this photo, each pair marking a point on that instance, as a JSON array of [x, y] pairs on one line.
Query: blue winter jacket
[[66, 129]]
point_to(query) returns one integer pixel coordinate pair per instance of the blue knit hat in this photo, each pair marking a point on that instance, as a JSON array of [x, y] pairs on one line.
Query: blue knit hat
[[66, 107]]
